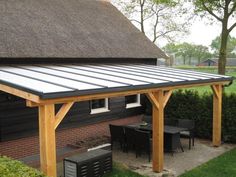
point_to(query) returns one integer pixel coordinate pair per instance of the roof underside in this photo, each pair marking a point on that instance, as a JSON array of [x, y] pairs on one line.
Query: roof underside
[[70, 29], [57, 81]]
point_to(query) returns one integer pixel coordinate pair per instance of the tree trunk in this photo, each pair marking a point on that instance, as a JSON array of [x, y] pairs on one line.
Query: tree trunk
[[223, 47], [184, 60], [199, 60], [142, 15]]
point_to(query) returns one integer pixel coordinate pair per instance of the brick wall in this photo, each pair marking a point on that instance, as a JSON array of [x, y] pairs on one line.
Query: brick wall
[[30, 146]]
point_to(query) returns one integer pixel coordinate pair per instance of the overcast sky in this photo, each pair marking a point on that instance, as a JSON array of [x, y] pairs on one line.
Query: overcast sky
[[200, 32]]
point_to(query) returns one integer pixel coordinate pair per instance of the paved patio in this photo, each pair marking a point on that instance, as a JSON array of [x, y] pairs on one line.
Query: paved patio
[[175, 164]]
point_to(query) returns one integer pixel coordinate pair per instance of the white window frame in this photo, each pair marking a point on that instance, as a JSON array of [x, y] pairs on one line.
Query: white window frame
[[135, 104], [101, 110]]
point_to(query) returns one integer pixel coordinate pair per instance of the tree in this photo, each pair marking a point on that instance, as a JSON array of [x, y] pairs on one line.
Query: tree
[[202, 53], [156, 18], [223, 11], [231, 46], [188, 52]]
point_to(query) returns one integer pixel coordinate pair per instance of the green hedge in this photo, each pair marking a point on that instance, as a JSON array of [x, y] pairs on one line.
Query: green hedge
[[13, 168], [189, 104]]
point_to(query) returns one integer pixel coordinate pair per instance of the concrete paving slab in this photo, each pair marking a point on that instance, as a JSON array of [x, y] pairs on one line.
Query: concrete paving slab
[[175, 164]]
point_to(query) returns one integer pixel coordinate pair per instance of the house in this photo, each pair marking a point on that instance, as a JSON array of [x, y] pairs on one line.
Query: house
[[214, 62], [71, 31], [69, 68]]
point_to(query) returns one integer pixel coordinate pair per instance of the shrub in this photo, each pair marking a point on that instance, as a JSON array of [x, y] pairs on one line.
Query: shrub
[[14, 168], [188, 104]]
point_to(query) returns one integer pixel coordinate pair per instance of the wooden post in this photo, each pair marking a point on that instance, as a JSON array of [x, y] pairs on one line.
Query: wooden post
[[47, 140], [158, 132], [159, 100], [217, 111]]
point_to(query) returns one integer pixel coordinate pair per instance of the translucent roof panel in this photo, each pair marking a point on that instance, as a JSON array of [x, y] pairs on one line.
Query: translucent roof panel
[[56, 81]]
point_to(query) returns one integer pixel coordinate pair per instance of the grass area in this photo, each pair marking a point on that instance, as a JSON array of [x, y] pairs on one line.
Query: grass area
[[120, 170], [222, 166], [14, 168], [231, 71]]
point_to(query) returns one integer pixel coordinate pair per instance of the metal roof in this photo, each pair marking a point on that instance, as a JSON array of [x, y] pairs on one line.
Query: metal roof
[[54, 81]]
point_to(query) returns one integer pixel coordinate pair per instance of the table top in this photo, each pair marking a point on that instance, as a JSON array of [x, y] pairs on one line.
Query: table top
[[167, 129]]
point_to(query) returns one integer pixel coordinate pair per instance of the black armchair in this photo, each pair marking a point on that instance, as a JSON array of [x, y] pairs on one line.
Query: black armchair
[[143, 143], [117, 135], [170, 122], [129, 138], [190, 125]]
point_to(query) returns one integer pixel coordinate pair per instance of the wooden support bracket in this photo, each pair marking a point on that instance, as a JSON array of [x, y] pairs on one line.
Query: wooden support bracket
[[61, 113], [167, 95], [215, 89], [153, 100]]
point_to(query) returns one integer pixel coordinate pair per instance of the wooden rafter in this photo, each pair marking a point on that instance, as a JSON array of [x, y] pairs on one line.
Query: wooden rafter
[[19, 93], [61, 113]]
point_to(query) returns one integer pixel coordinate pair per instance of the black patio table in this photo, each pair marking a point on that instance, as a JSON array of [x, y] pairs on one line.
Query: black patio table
[[171, 135]]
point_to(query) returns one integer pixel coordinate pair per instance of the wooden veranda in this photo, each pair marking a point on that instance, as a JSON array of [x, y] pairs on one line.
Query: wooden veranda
[[159, 96]]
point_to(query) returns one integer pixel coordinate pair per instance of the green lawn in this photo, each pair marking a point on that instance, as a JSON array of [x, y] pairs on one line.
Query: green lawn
[[230, 72], [222, 166], [120, 170]]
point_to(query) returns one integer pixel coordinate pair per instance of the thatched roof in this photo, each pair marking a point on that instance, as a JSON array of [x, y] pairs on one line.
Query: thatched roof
[[70, 28]]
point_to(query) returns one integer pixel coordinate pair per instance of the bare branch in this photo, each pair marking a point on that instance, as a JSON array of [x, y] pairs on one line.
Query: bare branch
[[148, 17], [211, 12], [135, 21], [232, 27]]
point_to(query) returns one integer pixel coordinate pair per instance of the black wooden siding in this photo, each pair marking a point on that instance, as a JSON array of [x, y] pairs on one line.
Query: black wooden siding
[[18, 121]]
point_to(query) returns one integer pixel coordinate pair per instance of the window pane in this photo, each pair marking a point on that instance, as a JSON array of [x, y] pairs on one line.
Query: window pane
[[98, 103], [131, 99]]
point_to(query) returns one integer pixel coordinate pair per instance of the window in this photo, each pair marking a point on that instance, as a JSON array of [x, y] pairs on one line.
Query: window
[[132, 101], [99, 106]]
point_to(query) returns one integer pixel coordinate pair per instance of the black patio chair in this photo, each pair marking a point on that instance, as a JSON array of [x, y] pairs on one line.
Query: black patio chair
[[170, 122], [189, 133], [129, 138], [143, 143], [117, 135]]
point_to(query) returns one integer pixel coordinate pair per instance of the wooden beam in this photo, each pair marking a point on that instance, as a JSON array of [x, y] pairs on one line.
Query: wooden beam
[[47, 140], [167, 95], [19, 93], [62, 112], [217, 111], [153, 100], [113, 94], [158, 132]]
